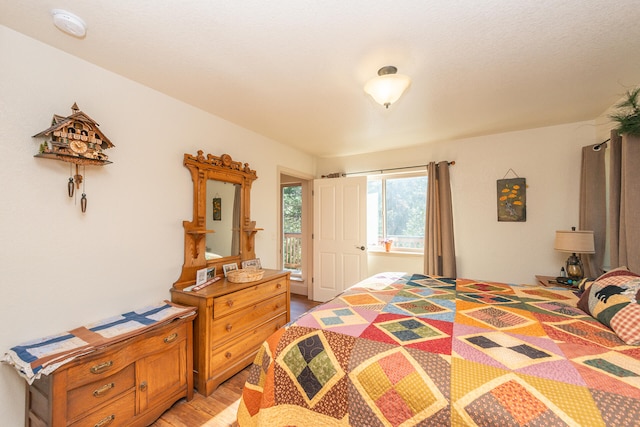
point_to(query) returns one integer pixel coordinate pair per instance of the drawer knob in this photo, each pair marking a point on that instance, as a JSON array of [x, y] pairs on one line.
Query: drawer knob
[[229, 327], [171, 338], [230, 303], [279, 285], [105, 421], [228, 355], [143, 386], [101, 367], [102, 391]]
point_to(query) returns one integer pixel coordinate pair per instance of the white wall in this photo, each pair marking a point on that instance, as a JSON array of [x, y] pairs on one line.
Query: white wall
[[59, 268], [549, 158]]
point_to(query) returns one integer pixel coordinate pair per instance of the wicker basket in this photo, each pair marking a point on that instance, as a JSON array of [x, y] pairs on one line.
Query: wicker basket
[[244, 275]]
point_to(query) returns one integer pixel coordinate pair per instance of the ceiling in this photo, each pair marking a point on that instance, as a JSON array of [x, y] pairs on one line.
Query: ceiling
[[294, 70]]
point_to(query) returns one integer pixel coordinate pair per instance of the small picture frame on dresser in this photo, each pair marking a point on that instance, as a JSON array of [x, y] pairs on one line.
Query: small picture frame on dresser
[[226, 268], [201, 276], [252, 264]]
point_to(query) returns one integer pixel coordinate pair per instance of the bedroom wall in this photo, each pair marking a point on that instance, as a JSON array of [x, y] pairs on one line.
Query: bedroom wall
[[59, 268], [549, 158]]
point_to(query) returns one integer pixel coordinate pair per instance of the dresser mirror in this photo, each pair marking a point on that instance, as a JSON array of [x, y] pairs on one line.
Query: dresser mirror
[[223, 216], [221, 231]]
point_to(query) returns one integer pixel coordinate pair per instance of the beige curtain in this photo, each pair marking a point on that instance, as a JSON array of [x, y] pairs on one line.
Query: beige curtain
[[439, 248], [593, 206], [624, 201]]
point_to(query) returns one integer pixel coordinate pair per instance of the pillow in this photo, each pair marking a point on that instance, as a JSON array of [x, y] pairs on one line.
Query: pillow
[[612, 299], [585, 284]]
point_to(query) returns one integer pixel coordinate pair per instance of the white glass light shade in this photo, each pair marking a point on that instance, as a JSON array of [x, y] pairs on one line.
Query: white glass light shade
[[579, 242], [388, 88]]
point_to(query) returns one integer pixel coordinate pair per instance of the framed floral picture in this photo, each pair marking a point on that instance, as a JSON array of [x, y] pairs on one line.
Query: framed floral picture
[[512, 200], [217, 209]]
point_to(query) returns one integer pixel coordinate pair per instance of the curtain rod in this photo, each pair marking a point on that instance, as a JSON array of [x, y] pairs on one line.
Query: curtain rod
[[393, 169], [597, 147]]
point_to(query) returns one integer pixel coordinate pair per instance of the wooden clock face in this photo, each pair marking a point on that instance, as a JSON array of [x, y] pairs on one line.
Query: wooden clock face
[[79, 147]]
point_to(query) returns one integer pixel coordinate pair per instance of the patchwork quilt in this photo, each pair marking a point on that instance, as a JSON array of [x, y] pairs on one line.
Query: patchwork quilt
[[412, 350]]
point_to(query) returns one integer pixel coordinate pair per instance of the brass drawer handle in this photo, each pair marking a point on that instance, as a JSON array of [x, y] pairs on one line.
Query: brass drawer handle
[[105, 421], [230, 303], [103, 390], [171, 338], [229, 327], [228, 355], [101, 367]]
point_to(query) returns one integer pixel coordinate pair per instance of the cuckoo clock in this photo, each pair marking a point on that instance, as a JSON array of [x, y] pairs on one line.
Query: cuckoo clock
[[75, 139]]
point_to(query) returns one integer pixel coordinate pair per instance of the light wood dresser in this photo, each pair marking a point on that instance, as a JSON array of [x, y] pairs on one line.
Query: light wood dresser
[[130, 383], [233, 320]]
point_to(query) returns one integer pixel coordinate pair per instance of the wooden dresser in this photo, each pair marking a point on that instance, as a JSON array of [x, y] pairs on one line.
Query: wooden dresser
[[130, 383], [233, 321]]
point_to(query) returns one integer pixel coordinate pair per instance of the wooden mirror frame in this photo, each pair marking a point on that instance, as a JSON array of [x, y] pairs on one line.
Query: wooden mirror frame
[[223, 169]]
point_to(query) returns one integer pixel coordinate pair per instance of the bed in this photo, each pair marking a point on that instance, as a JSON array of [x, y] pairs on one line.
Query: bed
[[406, 349]]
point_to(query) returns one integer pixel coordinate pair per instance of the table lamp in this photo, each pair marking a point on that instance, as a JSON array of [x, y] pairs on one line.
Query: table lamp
[[575, 242]]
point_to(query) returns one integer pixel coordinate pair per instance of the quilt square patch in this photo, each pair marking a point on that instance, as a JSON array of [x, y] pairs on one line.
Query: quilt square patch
[[508, 400], [410, 330], [397, 389], [498, 318], [310, 363], [508, 350]]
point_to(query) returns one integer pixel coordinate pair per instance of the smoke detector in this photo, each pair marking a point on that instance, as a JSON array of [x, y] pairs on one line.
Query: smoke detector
[[69, 23]]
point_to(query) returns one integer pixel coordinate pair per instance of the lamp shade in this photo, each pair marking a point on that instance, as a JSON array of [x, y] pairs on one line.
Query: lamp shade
[[388, 87], [575, 241]]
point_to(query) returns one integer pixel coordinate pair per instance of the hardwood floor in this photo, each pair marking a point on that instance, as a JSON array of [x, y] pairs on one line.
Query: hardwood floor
[[220, 408]]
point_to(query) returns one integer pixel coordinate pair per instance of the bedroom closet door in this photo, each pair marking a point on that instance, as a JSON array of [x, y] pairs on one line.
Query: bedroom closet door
[[339, 235]]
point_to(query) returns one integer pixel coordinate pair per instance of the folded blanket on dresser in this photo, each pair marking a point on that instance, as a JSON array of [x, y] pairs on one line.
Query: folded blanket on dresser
[[44, 355]]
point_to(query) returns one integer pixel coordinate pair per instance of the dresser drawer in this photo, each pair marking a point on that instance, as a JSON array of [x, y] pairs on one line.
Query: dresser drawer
[[239, 347], [229, 327], [82, 399], [99, 367], [119, 413], [106, 364], [236, 300]]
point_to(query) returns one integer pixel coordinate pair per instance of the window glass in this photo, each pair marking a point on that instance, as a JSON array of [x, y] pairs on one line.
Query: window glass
[[396, 209]]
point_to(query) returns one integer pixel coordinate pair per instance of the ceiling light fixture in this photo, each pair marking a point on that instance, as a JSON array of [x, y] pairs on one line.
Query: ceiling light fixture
[[388, 87], [69, 23]]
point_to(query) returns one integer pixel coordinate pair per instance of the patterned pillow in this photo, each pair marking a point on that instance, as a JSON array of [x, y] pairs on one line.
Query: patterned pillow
[[613, 300], [585, 284]]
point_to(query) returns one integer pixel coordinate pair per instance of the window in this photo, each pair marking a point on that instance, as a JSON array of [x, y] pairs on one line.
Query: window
[[396, 207]]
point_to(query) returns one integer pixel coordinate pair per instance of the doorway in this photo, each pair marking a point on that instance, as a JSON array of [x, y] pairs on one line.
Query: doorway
[[296, 227]]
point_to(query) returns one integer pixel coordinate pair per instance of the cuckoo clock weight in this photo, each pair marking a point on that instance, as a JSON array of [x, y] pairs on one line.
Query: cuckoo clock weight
[[75, 139]]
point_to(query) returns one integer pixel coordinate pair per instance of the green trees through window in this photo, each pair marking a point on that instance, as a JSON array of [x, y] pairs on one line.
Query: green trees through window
[[396, 209]]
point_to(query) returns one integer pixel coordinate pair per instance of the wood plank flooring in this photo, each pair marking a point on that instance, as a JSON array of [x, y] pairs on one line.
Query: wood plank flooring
[[220, 408]]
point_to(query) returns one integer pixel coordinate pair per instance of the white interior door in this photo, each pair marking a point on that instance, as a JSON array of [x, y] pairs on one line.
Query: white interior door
[[339, 235]]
